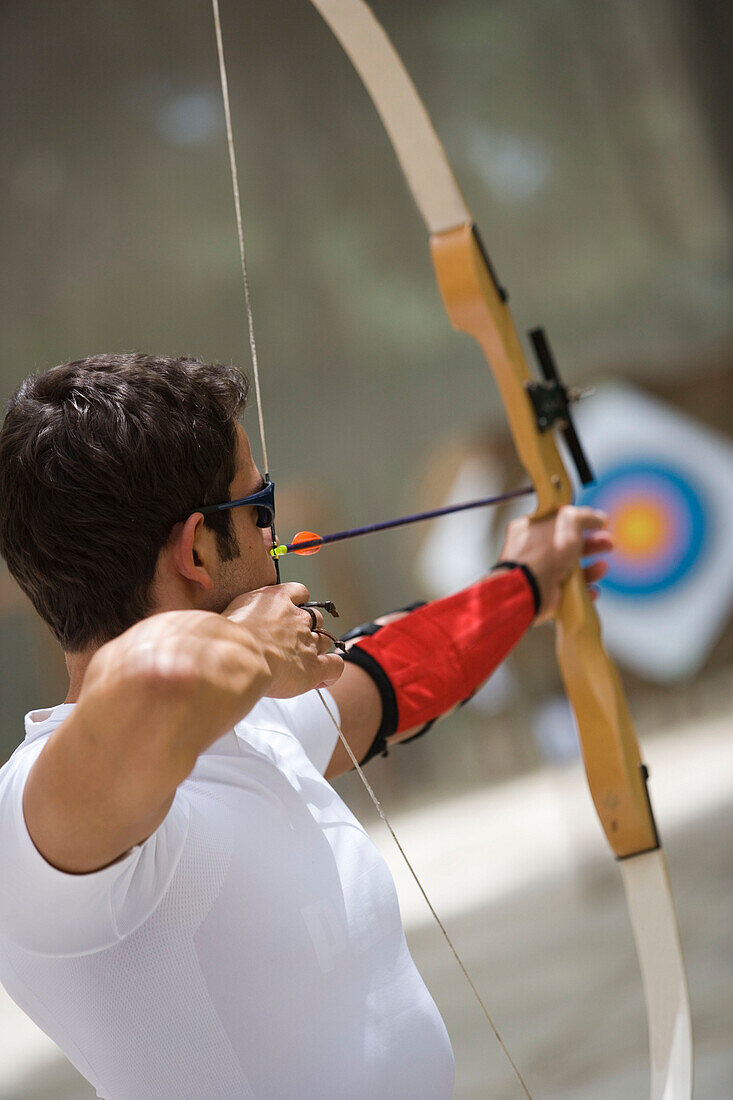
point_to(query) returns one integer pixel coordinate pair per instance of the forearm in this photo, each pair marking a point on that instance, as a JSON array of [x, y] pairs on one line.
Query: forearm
[[427, 661]]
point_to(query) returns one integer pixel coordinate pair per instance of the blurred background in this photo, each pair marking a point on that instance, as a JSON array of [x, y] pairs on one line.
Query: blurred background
[[593, 142]]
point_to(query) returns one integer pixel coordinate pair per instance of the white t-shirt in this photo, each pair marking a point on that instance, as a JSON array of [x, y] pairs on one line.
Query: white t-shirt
[[251, 947]]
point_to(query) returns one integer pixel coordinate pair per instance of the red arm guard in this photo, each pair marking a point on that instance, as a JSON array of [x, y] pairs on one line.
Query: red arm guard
[[436, 656]]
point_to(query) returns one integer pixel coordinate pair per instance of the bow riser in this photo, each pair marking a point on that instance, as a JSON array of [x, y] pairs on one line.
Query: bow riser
[[474, 304], [611, 755]]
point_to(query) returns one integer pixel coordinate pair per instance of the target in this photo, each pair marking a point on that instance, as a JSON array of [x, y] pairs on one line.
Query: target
[[666, 483], [659, 522]]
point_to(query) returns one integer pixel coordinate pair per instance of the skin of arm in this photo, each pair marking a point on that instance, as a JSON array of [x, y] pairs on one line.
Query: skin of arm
[[151, 701], [360, 708]]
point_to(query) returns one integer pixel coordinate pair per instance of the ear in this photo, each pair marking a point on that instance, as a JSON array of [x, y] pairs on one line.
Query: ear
[[194, 554]]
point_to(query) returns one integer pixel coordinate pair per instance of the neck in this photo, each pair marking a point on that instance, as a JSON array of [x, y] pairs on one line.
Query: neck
[[76, 666]]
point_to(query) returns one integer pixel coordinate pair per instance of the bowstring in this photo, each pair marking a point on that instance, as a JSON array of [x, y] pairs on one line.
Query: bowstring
[[240, 231], [421, 888], [258, 396]]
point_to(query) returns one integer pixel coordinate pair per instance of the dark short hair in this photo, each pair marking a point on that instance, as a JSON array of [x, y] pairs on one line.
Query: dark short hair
[[99, 458]]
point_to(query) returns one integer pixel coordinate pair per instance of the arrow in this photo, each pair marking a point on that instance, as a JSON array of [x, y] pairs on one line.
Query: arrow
[[307, 542]]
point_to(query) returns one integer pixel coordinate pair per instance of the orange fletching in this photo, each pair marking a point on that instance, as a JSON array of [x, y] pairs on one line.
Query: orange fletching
[[305, 536]]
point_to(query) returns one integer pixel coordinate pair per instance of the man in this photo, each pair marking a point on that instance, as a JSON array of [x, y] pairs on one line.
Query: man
[[188, 909]]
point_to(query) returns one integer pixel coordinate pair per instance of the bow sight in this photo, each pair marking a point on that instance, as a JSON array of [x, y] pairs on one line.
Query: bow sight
[[551, 400]]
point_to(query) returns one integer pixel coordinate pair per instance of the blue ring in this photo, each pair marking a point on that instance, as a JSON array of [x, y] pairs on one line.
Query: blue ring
[[696, 523]]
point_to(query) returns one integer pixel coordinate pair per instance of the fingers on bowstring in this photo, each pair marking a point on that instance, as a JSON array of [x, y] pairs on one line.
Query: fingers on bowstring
[[315, 619], [331, 668], [297, 592], [327, 639]]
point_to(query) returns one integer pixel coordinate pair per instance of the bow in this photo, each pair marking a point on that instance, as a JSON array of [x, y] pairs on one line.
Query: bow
[[477, 304]]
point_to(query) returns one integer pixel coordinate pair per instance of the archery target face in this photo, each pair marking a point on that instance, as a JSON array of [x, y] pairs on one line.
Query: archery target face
[[667, 485], [660, 523]]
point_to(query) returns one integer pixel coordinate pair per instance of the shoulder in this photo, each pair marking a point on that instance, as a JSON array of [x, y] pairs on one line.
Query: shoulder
[[14, 771], [39, 726], [51, 912]]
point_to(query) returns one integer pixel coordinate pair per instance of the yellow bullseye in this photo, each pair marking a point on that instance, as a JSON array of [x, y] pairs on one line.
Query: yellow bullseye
[[640, 529]]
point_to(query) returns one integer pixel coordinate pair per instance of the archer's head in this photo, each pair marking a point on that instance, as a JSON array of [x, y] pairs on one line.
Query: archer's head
[[102, 462]]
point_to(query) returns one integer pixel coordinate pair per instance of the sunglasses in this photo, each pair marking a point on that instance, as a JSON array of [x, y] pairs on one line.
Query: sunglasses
[[263, 500]]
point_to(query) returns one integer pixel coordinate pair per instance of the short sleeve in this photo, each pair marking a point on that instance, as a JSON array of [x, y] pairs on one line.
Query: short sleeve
[[308, 720], [49, 912]]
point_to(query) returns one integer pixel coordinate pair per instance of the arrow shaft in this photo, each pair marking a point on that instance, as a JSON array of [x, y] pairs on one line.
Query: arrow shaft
[[403, 521]]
